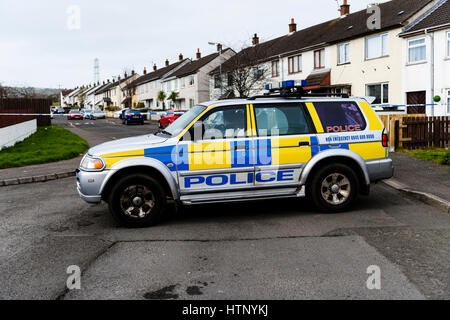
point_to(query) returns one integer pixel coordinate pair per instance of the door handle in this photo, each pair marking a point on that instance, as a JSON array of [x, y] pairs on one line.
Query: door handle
[[303, 144]]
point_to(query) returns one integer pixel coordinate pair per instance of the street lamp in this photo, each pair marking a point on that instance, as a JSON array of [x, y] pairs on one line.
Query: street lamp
[[220, 64]]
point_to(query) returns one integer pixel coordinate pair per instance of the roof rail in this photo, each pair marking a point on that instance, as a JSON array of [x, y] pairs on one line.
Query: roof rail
[[295, 92]]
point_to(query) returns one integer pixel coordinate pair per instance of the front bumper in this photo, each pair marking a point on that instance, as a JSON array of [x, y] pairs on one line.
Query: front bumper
[[380, 169], [89, 185]]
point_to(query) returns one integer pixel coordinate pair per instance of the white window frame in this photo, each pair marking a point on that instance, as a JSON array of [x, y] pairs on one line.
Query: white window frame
[[448, 44], [384, 51], [382, 92], [424, 44], [346, 48]]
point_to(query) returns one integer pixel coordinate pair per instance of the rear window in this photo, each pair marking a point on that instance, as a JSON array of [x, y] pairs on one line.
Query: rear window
[[340, 116]]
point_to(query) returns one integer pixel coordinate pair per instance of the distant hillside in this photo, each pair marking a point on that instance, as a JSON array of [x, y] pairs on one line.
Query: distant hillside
[[29, 92]]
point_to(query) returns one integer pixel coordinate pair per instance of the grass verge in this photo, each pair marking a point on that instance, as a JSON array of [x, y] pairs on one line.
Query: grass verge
[[48, 144], [438, 155]]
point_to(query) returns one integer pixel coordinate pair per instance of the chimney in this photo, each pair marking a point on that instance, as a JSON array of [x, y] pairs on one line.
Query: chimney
[[167, 62], [108, 80], [180, 57], [345, 9], [118, 78], [219, 47], [155, 67], [292, 26], [125, 75], [255, 40], [132, 72], [199, 55], [145, 70]]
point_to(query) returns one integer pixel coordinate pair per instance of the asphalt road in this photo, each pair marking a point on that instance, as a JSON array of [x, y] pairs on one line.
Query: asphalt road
[[110, 128], [277, 249]]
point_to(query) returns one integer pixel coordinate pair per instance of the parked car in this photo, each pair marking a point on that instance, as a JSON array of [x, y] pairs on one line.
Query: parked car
[[121, 116], [89, 114], [98, 114], [285, 144], [132, 116], [170, 118], [75, 115], [60, 111]]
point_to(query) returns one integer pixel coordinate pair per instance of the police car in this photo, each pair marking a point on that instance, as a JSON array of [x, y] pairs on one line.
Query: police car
[[282, 144]]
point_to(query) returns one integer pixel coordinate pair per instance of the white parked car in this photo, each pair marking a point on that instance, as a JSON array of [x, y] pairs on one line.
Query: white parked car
[[98, 114], [117, 114]]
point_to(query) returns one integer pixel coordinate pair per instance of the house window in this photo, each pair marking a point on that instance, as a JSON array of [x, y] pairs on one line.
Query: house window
[[175, 84], [319, 59], [183, 82], [344, 53], [230, 79], [217, 81], [380, 91], [191, 103], [448, 101], [377, 46], [191, 80], [417, 50], [275, 68], [448, 44], [295, 64]]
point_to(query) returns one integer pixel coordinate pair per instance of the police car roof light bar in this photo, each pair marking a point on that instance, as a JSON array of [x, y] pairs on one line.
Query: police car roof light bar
[[291, 91]]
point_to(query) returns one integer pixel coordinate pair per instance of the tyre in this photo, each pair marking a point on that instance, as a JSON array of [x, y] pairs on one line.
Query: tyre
[[142, 123], [137, 201], [333, 188]]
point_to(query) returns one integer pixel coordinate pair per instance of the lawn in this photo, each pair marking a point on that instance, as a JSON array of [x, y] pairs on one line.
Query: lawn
[[48, 144], [439, 155]]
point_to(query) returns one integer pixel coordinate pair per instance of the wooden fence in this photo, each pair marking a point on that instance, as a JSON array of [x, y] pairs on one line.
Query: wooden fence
[[31, 106], [424, 132]]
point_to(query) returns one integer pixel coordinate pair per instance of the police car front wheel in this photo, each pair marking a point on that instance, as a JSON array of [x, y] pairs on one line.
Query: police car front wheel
[[137, 201], [334, 188]]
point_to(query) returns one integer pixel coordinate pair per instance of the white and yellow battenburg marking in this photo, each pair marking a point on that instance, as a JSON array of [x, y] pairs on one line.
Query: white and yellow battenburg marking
[[261, 151]]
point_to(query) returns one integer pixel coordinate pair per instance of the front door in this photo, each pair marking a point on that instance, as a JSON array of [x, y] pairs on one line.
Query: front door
[[218, 153], [284, 143], [417, 100]]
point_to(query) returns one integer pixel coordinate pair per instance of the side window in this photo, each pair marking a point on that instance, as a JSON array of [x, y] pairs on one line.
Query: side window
[[225, 123], [280, 120], [340, 116]]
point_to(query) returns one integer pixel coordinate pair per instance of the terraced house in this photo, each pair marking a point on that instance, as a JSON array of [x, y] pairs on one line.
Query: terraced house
[[191, 81], [149, 85], [358, 53], [426, 52]]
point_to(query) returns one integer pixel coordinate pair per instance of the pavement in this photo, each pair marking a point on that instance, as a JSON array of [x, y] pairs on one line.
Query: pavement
[[425, 180]]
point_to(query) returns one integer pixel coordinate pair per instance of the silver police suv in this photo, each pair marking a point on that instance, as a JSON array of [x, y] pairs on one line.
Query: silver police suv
[[283, 145]]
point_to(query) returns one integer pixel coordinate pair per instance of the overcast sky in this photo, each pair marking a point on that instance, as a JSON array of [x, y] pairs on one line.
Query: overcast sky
[[37, 47]]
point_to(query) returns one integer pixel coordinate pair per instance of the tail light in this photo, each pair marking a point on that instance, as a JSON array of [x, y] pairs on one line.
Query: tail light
[[385, 139], [128, 115]]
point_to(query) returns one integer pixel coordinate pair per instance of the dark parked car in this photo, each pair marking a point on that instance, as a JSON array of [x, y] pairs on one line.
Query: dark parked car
[[132, 116]]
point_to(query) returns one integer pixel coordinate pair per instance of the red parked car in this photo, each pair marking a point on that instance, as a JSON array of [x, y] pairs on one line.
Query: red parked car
[[171, 116], [75, 114]]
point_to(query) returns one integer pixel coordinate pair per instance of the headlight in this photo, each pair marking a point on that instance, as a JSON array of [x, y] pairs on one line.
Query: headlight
[[92, 164]]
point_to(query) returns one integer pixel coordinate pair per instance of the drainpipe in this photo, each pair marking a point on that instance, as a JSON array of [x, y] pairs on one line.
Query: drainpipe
[[431, 68], [281, 66]]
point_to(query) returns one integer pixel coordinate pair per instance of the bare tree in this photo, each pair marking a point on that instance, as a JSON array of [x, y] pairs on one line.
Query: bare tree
[[244, 74]]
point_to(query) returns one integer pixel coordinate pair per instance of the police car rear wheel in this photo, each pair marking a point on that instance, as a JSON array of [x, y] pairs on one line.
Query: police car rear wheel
[[137, 201], [334, 188]]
